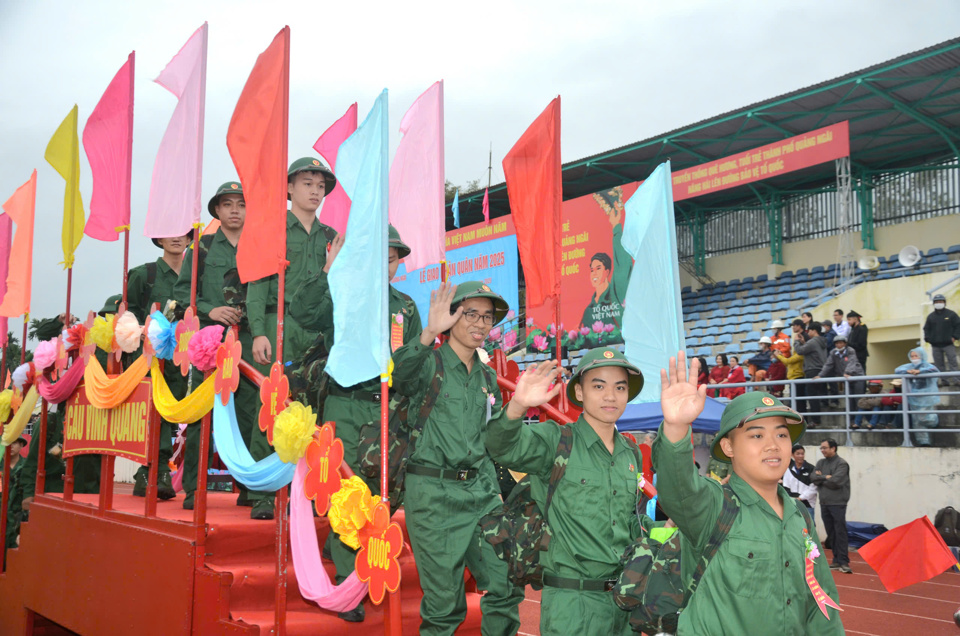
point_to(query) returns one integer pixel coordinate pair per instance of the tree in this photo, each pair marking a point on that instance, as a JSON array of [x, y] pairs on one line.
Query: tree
[[13, 353], [467, 188]]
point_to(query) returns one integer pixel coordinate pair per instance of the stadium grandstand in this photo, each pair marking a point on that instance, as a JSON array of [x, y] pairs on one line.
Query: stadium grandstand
[[824, 237]]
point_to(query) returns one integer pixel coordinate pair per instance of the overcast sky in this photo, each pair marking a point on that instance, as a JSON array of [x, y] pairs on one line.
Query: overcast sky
[[625, 70]]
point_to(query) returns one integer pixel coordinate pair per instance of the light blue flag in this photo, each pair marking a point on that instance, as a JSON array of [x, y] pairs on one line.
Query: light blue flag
[[456, 209], [652, 317], [358, 277]]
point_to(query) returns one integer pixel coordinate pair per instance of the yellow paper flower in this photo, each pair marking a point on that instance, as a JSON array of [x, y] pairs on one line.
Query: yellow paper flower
[[6, 399], [102, 332], [292, 432], [351, 508]]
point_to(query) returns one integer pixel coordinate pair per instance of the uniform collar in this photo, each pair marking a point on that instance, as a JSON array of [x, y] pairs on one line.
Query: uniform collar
[[450, 357], [293, 221], [750, 497], [590, 436], [162, 267]]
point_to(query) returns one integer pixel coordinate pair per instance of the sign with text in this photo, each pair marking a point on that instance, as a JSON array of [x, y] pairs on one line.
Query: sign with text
[[485, 252], [803, 151], [121, 431]]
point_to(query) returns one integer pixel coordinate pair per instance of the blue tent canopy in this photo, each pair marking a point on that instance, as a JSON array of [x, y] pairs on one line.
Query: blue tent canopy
[[647, 417]]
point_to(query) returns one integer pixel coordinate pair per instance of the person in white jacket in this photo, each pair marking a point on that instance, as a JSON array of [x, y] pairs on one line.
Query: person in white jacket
[[797, 479]]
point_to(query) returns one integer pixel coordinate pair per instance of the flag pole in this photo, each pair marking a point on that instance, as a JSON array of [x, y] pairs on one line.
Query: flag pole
[[4, 499]]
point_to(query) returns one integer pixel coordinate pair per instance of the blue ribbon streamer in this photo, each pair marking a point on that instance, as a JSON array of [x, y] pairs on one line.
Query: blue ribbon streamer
[[267, 475]]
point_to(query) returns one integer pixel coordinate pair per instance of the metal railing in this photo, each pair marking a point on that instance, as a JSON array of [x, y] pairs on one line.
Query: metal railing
[[848, 402]]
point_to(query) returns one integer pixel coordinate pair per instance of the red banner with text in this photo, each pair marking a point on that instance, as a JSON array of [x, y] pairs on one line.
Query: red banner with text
[[121, 431]]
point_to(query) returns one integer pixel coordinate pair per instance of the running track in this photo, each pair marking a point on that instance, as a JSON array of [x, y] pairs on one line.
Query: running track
[[868, 609]]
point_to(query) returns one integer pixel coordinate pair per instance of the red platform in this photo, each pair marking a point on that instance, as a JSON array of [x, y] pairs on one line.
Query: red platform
[[77, 571]]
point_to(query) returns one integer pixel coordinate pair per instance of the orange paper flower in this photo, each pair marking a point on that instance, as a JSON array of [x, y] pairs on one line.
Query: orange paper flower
[[377, 561], [273, 393], [228, 366], [324, 457], [88, 345], [184, 331]]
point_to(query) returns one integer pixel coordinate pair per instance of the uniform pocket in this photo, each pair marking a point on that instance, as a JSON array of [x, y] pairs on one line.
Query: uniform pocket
[[746, 568]]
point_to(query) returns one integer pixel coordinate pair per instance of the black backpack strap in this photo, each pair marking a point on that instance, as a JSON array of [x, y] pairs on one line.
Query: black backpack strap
[[205, 242], [802, 507], [559, 463], [151, 273], [729, 512]]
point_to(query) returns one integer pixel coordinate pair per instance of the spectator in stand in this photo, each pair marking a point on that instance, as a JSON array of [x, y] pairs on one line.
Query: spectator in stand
[[832, 476], [777, 371], [704, 376], [813, 348], [794, 367], [826, 330], [734, 377], [942, 331], [857, 338], [843, 361], [830, 389], [797, 479], [921, 401], [892, 402], [759, 363], [780, 342], [807, 318], [840, 326], [718, 373], [872, 404]]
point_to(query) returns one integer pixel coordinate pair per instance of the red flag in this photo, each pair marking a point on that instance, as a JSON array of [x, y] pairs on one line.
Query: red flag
[[532, 172], [336, 205], [21, 207], [486, 205], [908, 554], [257, 140], [6, 231]]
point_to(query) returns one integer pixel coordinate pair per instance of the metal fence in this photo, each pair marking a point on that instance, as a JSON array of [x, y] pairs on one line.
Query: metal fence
[[907, 418]]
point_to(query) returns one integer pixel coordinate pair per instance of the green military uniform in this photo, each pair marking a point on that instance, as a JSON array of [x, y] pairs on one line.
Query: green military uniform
[[220, 286], [593, 515], [148, 284], [443, 511], [14, 501], [609, 308], [756, 582]]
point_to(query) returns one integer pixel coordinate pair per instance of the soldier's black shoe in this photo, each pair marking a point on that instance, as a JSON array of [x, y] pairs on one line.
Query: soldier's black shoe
[[356, 615], [262, 510], [188, 501], [244, 500], [139, 485], [165, 489]]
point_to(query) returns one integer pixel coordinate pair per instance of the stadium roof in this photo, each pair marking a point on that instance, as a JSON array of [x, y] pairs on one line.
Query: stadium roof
[[902, 113]]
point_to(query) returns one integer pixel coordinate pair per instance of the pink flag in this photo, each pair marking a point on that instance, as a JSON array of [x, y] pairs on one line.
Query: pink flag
[[20, 208], [108, 142], [175, 188], [336, 205], [486, 205], [6, 230], [416, 181]]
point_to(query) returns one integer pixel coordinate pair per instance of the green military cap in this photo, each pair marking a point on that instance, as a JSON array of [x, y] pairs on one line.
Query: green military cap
[[309, 164], [110, 306], [476, 289], [397, 242], [754, 406], [230, 187], [605, 357]]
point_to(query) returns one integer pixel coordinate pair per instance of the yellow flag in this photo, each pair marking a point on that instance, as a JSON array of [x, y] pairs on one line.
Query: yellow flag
[[63, 153]]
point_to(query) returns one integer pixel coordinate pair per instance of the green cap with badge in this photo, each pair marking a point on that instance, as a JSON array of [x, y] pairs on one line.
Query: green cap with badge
[[111, 305], [230, 187], [751, 406], [156, 241], [605, 357], [309, 164], [476, 289], [395, 241]]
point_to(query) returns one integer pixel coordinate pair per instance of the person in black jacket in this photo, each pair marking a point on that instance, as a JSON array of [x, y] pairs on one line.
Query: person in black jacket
[[857, 339], [942, 330]]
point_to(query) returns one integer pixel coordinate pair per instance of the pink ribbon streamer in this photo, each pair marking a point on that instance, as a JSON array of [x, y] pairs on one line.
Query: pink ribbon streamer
[[57, 392], [312, 578]]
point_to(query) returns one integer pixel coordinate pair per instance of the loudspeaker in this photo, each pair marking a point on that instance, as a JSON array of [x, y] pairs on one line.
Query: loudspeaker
[[909, 256]]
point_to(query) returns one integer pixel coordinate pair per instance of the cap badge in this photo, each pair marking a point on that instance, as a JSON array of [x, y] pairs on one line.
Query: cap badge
[[484, 288], [316, 163], [234, 186], [768, 401], [608, 354]]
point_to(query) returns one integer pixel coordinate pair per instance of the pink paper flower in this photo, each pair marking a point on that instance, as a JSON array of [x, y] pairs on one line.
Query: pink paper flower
[[584, 331], [540, 342], [510, 339], [203, 347], [608, 328], [598, 327], [45, 354]]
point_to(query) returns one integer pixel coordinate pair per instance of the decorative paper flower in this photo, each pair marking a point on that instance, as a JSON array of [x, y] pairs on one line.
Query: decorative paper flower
[[484, 356], [510, 339], [228, 367], [23, 376], [810, 547], [293, 431], [540, 342], [598, 327], [161, 335], [584, 331], [87, 344], [102, 332], [351, 509], [377, 561], [494, 334], [127, 331], [184, 331], [324, 456], [6, 399], [45, 354], [203, 346], [609, 328], [273, 393]]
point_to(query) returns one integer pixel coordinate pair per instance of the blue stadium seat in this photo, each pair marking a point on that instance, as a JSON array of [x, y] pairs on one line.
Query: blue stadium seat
[[817, 270], [781, 306], [705, 351], [753, 335], [802, 270], [715, 322], [732, 296], [740, 327], [780, 297], [707, 340], [936, 251], [765, 317], [737, 302], [953, 249], [724, 339], [937, 258], [686, 290], [761, 278], [764, 307], [692, 316], [735, 281], [732, 348], [799, 295], [700, 324], [787, 274], [747, 281], [801, 278]]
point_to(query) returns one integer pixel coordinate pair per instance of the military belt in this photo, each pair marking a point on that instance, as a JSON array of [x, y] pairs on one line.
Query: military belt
[[456, 474], [583, 585], [363, 396]]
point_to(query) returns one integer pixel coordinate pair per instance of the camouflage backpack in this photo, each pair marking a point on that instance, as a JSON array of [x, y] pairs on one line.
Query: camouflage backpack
[[650, 586], [309, 384], [518, 530]]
